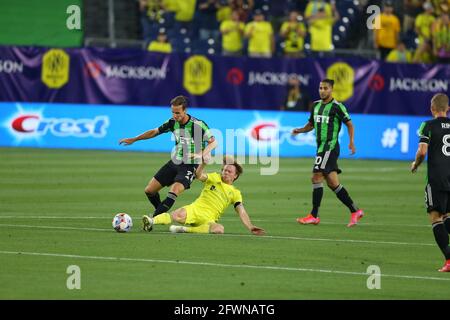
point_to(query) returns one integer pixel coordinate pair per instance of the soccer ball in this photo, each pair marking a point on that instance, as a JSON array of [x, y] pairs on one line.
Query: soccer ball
[[122, 222]]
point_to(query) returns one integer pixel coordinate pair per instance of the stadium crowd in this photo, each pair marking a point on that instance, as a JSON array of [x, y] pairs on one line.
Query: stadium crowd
[[406, 31]]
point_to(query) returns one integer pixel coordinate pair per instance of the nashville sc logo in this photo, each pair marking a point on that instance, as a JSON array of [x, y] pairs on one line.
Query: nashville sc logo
[[29, 124]]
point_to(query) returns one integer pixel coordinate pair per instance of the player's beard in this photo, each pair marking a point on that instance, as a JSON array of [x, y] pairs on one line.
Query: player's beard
[[325, 98]]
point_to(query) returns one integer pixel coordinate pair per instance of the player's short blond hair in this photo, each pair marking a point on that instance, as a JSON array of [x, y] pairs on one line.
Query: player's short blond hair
[[440, 102], [229, 160]]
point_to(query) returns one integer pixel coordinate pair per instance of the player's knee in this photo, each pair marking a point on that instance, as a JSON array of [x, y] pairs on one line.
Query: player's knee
[[179, 217], [332, 185], [217, 229]]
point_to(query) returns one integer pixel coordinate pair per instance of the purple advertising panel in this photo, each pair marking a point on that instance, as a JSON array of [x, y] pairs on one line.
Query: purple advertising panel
[[137, 77]]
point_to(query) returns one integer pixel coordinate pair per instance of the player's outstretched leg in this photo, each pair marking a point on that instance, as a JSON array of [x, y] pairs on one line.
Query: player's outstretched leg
[[148, 222], [204, 228]]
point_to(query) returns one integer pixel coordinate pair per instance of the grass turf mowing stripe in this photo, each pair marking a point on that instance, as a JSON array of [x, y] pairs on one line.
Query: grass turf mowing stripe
[[234, 235], [223, 265]]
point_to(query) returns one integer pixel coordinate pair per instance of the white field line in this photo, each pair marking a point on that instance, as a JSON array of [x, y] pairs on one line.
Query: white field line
[[235, 235], [284, 220], [220, 265]]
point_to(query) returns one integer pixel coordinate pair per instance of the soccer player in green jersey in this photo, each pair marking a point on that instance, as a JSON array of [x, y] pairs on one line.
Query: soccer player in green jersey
[[327, 116], [202, 215], [191, 136], [435, 140]]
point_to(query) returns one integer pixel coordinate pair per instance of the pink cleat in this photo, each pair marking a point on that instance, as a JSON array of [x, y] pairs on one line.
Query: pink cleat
[[309, 219], [355, 217], [446, 267]]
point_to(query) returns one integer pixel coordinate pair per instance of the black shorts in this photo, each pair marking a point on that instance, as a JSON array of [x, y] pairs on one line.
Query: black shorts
[[182, 173], [326, 161], [437, 200]]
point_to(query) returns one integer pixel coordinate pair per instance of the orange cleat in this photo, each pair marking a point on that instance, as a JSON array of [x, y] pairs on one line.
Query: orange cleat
[[309, 219], [446, 267], [355, 217]]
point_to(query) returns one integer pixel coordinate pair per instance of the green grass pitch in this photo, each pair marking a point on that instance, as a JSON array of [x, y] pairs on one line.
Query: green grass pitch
[[56, 208]]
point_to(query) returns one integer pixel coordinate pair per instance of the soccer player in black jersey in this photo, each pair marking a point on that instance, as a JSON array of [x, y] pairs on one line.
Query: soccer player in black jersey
[[435, 140], [191, 136], [327, 116]]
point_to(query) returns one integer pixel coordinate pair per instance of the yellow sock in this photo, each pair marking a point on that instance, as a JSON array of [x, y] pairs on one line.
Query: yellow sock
[[163, 218], [204, 228]]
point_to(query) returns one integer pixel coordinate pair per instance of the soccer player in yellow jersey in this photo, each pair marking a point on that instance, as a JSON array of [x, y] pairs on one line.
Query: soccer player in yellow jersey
[[202, 215]]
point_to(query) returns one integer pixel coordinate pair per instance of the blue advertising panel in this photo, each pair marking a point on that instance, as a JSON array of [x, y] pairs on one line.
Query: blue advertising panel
[[241, 132]]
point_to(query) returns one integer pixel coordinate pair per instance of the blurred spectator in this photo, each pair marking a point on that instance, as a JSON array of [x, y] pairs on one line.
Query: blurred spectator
[[151, 12], [206, 19], [244, 7], [185, 10], [232, 35], [423, 23], [224, 11], [160, 44], [386, 38], [441, 38], [296, 99], [424, 53], [411, 9], [294, 32], [400, 54], [321, 16], [260, 34], [441, 6]]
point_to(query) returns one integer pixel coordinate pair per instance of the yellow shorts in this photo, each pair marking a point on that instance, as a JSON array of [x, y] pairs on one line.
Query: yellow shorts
[[197, 216]]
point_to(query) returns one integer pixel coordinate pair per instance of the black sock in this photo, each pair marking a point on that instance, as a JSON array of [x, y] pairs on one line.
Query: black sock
[[343, 195], [316, 198], [154, 199], [447, 224], [166, 204], [441, 237]]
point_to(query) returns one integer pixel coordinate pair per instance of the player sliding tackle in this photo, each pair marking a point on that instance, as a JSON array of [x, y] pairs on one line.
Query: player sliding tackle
[[202, 215]]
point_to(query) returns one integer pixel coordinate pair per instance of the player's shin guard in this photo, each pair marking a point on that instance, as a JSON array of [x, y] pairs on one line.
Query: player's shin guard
[[154, 199], [441, 237], [166, 204], [343, 195], [204, 228], [316, 198], [447, 223], [163, 218]]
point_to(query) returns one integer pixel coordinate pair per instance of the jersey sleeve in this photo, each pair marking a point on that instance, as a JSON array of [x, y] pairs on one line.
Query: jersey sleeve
[[424, 133], [342, 113], [166, 126], [237, 197], [206, 132], [311, 116]]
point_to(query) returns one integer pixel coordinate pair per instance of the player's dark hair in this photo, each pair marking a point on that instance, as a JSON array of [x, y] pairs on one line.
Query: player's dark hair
[[180, 101], [329, 81], [440, 102], [231, 161]]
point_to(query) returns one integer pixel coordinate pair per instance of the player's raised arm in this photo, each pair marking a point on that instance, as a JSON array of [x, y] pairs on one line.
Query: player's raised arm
[[200, 173], [212, 144], [246, 220], [306, 128], [351, 135], [144, 136]]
